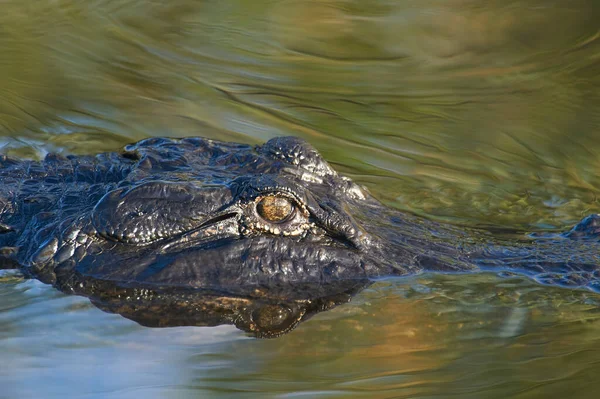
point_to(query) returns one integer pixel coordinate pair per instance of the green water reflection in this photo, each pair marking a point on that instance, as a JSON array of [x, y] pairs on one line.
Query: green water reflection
[[480, 113]]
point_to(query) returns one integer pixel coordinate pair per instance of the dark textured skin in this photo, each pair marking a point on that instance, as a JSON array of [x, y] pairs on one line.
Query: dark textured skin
[[166, 232]]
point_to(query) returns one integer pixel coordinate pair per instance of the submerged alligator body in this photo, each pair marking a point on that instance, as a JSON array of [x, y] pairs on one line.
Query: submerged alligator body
[[200, 232]]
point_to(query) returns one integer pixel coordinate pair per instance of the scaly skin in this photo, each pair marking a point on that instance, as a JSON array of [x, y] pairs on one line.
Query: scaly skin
[[171, 232]]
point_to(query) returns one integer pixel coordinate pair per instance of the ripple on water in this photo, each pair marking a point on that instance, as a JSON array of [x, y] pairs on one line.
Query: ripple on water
[[475, 112]]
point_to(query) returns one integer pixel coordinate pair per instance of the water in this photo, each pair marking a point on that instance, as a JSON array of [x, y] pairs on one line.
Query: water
[[473, 112]]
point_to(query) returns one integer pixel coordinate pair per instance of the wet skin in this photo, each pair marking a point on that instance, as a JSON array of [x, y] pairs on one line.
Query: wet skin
[[199, 232]]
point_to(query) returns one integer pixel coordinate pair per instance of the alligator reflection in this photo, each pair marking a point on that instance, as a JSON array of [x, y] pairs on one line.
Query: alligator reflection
[[262, 316]]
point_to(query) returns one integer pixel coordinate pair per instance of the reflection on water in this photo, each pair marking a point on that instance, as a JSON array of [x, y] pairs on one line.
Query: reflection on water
[[475, 112], [424, 337]]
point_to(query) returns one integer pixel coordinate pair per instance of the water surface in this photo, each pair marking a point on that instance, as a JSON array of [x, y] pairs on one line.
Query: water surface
[[473, 112]]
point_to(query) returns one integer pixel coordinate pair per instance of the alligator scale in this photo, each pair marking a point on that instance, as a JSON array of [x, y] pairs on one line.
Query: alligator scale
[[200, 232]]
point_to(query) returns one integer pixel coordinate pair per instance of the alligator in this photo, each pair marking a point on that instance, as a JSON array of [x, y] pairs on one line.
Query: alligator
[[200, 232]]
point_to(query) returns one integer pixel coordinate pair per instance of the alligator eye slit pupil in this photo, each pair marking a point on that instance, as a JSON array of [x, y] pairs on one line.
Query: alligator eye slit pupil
[[275, 209]]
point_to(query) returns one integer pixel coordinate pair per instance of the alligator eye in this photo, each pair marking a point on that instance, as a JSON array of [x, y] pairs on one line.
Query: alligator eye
[[275, 209]]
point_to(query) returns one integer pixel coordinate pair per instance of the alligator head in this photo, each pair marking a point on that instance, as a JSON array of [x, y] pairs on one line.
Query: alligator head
[[205, 219]]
